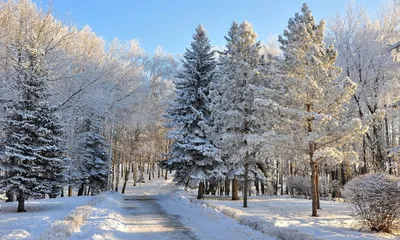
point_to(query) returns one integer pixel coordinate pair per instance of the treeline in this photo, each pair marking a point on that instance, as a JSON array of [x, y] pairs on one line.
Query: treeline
[[75, 111], [323, 108]]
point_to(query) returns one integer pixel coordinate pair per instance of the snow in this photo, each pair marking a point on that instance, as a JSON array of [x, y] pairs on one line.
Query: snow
[[206, 222], [334, 221], [39, 216], [157, 210]]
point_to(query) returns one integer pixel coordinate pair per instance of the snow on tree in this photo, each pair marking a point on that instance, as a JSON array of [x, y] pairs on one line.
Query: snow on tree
[[234, 91], [374, 198], [308, 97], [91, 154], [362, 44], [34, 163], [192, 154]]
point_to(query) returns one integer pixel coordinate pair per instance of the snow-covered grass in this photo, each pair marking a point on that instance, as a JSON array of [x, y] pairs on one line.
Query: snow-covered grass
[[258, 223], [39, 216], [290, 218]]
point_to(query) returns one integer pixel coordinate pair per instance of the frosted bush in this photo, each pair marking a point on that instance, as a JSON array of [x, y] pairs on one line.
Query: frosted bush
[[375, 199], [300, 185]]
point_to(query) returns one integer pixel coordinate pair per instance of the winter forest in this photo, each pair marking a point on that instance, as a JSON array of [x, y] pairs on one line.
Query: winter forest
[[253, 131]]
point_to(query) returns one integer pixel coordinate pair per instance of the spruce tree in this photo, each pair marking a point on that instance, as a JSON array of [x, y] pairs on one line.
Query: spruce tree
[[91, 154], [34, 163], [233, 105], [192, 154]]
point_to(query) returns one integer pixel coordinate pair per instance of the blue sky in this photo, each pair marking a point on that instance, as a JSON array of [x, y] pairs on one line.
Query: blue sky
[[171, 23]]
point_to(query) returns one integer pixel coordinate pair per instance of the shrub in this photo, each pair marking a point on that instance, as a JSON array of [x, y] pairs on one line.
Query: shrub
[[301, 185], [375, 199]]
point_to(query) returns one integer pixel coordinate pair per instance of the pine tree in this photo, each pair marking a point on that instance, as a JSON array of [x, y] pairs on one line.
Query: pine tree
[[233, 104], [34, 163], [192, 154], [308, 99], [91, 155]]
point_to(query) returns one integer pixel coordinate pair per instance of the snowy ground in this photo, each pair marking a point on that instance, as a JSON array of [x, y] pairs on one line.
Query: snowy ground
[[159, 210], [285, 212], [156, 210], [39, 216]]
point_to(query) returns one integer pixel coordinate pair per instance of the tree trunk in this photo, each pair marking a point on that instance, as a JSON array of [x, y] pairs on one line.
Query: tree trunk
[[69, 191], [314, 169], [262, 188], [166, 174], [364, 169], [200, 192], [21, 201], [126, 178], [246, 182], [62, 191], [343, 173], [256, 183], [317, 187], [206, 187], [276, 178], [117, 167], [81, 190], [10, 196], [187, 184], [149, 171], [314, 188], [213, 187], [227, 186], [235, 189]]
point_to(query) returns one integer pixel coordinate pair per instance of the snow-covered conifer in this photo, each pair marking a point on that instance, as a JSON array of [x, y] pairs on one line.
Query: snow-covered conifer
[[234, 91], [34, 163], [192, 154], [308, 97], [91, 155]]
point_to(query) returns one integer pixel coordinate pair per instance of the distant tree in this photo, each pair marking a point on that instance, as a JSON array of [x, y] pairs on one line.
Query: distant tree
[[192, 154], [92, 157]]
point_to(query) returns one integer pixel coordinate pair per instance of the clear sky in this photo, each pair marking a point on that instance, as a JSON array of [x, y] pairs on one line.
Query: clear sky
[[171, 23]]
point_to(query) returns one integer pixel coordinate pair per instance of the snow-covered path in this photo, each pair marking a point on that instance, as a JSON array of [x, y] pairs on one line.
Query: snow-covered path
[[155, 210], [145, 219]]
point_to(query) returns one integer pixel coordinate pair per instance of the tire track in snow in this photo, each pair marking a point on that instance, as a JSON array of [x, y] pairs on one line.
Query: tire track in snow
[[147, 216]]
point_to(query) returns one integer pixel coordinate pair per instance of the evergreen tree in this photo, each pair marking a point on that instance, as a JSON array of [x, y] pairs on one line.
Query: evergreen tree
[[92, 157], [308, 97], [34, 163], [192, 154], [233, 104]]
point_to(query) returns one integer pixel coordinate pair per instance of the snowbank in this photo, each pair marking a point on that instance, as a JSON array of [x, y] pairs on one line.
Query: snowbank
[[60, 230], [207, 221], [40, 215], [257, 223]]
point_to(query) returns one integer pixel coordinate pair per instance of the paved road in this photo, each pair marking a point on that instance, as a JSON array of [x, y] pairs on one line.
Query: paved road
[[145, 217]]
